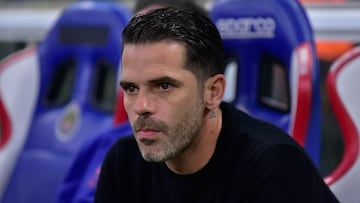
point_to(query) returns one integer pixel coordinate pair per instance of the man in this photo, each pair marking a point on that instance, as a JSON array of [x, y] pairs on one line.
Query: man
[[188, 145]]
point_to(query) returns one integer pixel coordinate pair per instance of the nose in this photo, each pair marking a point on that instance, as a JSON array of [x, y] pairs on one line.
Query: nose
[[143, 104]]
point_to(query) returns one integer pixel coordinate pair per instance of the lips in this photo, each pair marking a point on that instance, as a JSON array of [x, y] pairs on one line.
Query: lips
[[147, 128], [147, 133]]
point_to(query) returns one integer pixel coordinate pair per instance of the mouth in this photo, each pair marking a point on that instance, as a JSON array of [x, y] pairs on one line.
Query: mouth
[[147, 133], [149, 129]]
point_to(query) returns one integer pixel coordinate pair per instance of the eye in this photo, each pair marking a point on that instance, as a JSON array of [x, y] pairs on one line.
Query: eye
[[130, 89], [164, 86]]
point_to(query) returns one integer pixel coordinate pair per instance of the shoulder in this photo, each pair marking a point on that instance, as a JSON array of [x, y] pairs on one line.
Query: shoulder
[[245, 127], [281, 162], [256, 140], [285, 155], [286, 172]]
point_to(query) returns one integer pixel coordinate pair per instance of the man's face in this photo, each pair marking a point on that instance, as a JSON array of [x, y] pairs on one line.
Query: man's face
[[162, 98]]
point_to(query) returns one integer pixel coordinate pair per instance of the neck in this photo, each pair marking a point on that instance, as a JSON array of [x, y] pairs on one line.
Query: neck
[[198, 154]]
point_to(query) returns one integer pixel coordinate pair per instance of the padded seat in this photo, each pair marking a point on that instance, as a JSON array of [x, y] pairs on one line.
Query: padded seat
[[272, 68], [78, 68]]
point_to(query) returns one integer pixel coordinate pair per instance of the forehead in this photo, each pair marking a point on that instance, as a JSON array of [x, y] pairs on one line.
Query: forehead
[[155, 55]]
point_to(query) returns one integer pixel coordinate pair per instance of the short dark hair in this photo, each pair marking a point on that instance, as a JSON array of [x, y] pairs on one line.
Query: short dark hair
[[188, 4], [202, 41]]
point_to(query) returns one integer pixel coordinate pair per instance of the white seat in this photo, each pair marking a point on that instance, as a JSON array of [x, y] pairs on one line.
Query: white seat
[[19, 76], [343, 85]]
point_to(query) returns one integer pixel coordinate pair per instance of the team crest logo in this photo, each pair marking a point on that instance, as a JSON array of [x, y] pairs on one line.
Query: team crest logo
[[68, 122]]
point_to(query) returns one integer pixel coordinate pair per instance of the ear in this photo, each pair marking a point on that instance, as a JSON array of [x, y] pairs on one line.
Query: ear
[[214, 91]]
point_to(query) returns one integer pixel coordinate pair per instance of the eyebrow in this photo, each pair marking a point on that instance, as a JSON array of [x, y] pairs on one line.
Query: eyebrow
[[125, 84], [164, 79]]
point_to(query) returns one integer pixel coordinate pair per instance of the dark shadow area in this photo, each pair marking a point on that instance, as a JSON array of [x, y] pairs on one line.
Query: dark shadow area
[[332, 146]]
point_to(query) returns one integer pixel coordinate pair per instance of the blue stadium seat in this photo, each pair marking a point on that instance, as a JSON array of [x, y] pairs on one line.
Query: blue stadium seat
[[272, 70], [79, 60], [80, 182]]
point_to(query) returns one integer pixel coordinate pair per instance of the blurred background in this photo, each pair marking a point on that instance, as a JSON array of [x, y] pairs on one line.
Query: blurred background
[[336, 24]]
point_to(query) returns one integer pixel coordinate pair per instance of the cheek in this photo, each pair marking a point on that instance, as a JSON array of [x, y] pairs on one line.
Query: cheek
[[187, 105], [127, 107]]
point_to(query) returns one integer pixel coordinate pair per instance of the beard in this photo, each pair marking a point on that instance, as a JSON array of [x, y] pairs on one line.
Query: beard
[[174, 138]]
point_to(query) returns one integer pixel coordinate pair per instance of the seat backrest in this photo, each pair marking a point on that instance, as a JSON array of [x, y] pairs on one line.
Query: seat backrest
[[79, 60], [342, 86], [81, 179], [272, 70]]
